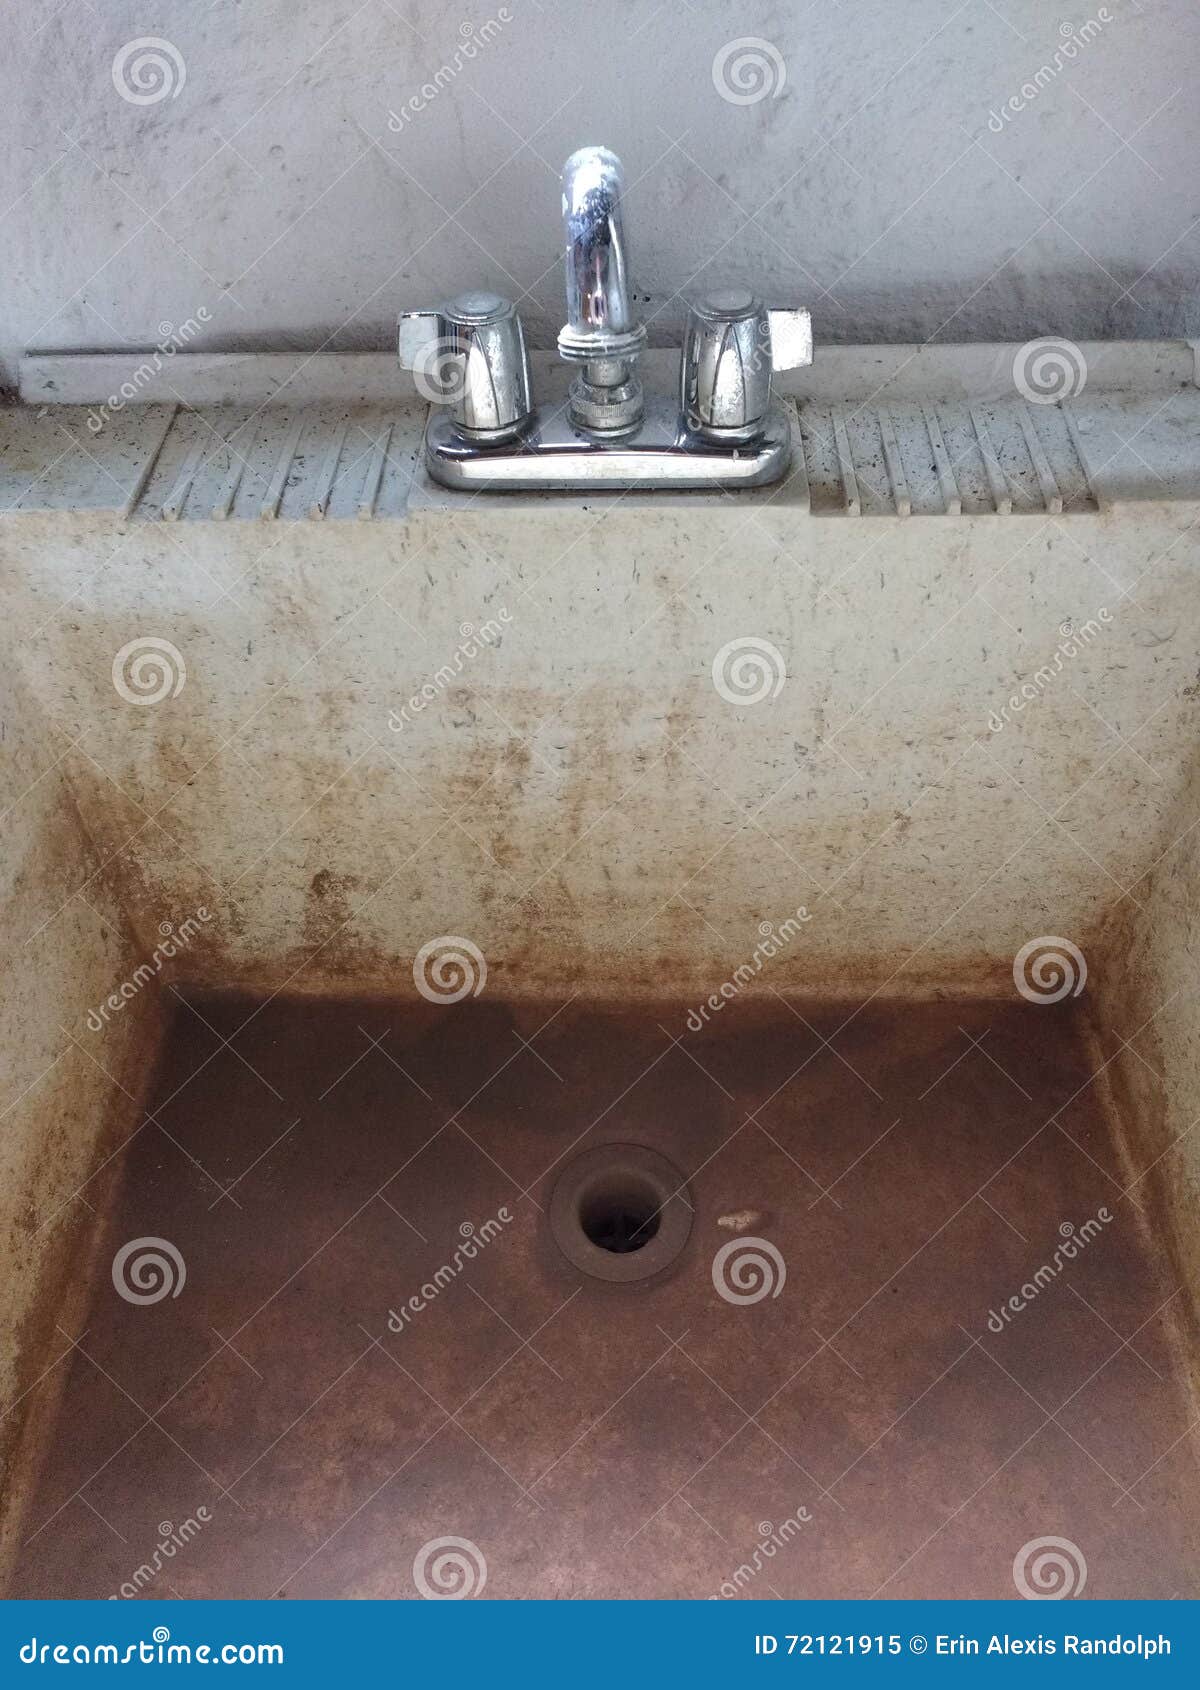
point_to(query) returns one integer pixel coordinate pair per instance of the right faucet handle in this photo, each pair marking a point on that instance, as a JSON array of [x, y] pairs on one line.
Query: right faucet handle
[[791, 337], [731, 346]]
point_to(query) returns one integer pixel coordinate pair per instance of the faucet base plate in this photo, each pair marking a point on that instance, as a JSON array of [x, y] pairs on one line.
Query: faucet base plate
[[552, 455]]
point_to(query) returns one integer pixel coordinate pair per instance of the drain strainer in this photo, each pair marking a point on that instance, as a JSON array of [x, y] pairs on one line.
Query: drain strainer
[[620, 1212]]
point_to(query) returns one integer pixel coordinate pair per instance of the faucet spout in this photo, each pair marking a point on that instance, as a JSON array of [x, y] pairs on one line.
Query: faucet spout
[[597, 269], [601, 332]]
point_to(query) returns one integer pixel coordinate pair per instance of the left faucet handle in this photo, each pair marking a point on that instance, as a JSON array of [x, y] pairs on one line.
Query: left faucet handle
[[417, 337], [469, 355]]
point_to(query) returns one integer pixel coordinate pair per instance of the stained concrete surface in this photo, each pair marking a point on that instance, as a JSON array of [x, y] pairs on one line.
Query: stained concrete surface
[[583, 795], [314, 1165], [65, 1093]]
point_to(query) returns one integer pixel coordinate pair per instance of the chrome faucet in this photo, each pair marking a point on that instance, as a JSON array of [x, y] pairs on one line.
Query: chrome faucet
[[724, 430], [600, 332]]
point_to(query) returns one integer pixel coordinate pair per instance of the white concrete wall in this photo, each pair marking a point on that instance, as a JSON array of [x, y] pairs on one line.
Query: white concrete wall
[[882, 182]]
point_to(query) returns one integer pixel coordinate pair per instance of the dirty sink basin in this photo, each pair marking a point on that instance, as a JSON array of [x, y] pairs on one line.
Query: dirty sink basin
[[374, 853]]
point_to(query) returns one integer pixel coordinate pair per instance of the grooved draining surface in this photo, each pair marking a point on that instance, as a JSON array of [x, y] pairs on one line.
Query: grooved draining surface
[[975, 451], [285, 1427], [996, 459], [313, 462]]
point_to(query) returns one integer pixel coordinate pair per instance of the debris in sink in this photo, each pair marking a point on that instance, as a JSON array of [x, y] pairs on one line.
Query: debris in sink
[[741, 1220]]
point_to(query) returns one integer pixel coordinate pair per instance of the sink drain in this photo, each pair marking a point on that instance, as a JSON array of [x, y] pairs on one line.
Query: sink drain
[[620, 1212]]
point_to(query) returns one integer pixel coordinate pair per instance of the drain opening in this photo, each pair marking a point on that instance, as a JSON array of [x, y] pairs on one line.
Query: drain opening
[[620, 1215], [620, 1212]]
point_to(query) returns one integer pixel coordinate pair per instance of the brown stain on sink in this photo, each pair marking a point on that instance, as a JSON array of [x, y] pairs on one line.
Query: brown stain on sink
[[549, 875], [328, 921], [77, 1112]]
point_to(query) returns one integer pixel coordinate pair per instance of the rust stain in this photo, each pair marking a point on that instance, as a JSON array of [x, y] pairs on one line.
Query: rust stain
[[76, 1117], [329, 922]]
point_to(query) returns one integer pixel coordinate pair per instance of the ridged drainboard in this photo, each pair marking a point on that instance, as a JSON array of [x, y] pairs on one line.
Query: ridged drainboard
[[1002, 458]]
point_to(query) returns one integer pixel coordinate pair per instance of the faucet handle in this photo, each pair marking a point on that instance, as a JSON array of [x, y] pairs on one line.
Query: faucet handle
[[731, 346], [470, 355], [791, 338], [417, 334]]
